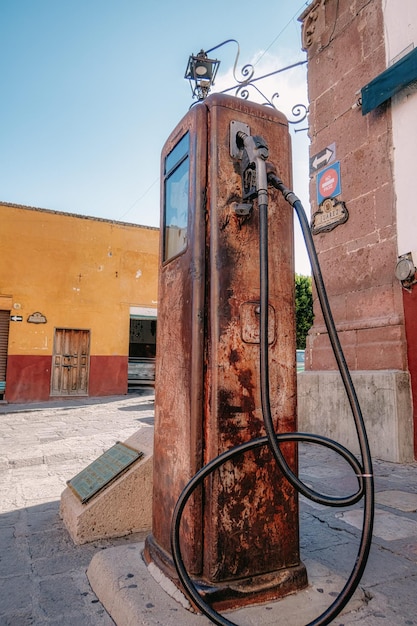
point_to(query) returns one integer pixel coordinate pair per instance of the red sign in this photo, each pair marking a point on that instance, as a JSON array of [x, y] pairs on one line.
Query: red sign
[[328, 182]]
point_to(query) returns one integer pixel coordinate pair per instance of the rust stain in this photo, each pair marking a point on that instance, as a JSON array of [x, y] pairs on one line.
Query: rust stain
[[244, 523]]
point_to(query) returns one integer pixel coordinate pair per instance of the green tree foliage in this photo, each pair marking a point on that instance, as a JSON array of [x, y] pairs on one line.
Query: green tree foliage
[[303, 309]]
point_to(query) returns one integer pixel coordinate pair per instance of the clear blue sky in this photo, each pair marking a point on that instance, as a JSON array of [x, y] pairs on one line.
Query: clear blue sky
[[90, 89]]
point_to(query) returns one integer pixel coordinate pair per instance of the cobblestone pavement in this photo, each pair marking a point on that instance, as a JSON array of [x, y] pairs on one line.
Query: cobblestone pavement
[[43, 574]]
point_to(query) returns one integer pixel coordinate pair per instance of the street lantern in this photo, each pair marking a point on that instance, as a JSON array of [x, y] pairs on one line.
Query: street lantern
[[201, 72]]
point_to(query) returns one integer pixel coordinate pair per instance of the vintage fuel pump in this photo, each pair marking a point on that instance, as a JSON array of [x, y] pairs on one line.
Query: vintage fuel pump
[[225, 503], [241, 533]]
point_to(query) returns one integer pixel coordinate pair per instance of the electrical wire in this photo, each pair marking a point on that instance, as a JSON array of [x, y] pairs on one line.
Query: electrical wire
[[363, 469], [139, 198], [296, 14]]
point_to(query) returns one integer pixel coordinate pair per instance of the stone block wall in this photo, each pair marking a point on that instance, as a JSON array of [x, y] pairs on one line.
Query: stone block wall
[[344, 40]]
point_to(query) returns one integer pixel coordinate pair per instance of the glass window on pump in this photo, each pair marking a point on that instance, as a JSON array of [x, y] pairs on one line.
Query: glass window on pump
[[300, 358]]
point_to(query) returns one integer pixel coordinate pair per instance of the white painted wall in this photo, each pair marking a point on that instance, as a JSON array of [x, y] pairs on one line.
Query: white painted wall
[[400, 17]]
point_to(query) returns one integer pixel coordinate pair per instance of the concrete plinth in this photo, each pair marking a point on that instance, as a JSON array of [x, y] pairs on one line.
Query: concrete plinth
[[234, 593], [123, 507], [385, 399], [136, 595]]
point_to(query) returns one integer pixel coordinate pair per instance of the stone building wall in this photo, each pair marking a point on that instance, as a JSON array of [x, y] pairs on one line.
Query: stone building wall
[[345, 46], [346, 49]]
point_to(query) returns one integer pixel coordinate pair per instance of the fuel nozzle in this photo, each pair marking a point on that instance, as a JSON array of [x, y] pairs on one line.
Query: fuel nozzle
[[253, 166]]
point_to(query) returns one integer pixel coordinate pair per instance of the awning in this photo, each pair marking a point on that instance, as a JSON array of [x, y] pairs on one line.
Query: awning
[[390, 82]]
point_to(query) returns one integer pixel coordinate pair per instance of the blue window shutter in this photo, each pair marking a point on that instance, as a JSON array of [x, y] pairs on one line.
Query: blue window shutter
[[389, 82]]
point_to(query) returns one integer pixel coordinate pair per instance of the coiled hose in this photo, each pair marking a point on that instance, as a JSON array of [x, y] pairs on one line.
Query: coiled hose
[[362, 469]]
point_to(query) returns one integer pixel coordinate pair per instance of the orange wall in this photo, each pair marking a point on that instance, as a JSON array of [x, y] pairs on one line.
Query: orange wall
[[78, 272]]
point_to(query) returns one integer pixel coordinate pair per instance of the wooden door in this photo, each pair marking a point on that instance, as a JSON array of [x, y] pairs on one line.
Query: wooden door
[[70, 362]]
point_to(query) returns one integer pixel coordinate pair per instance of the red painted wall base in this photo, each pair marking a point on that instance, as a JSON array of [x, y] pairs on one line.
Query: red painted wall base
[[29, 377], [108, 375], [410, 310]]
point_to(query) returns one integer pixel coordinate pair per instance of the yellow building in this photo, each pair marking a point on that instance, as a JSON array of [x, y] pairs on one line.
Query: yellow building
[[78, 296]]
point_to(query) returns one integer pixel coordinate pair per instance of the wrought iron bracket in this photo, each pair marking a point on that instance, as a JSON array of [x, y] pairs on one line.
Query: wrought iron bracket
[[246, 82]]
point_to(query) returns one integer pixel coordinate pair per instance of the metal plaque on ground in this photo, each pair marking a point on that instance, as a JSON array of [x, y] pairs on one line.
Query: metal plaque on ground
[[101, 472]]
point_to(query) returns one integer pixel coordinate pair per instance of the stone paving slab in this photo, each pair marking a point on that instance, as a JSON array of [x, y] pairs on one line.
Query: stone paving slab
[[388, 526], [401, 500], [132, 596], [43, 574]]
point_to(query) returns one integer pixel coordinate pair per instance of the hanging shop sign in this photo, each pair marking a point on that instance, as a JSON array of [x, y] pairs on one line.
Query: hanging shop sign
[[331, 213]]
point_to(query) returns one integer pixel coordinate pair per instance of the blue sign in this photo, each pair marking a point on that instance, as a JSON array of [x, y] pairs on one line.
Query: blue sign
[[329, 183]]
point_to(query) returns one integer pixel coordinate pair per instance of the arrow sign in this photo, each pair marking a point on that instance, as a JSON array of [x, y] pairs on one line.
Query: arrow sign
[[16, 318], [323, 158]]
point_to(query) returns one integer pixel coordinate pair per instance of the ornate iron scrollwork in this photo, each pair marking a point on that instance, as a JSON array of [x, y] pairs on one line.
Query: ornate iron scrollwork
[[246, 83]]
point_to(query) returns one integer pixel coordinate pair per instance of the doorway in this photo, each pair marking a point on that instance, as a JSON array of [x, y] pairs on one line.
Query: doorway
[[142, 349], [70, 362]]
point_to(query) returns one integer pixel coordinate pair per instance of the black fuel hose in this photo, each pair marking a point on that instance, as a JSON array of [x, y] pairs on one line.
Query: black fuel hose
[[362, 470], [365, 454]]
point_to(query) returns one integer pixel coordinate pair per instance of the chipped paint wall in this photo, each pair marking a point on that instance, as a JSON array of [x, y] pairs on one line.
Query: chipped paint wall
[[400, 28], [78, 273]]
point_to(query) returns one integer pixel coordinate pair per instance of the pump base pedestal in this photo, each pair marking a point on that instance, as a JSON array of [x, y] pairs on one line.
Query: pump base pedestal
[[235, 593]]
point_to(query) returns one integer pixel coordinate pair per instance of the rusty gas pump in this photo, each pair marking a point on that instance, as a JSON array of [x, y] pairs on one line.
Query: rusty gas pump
[[240, 534], [225, 498]]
